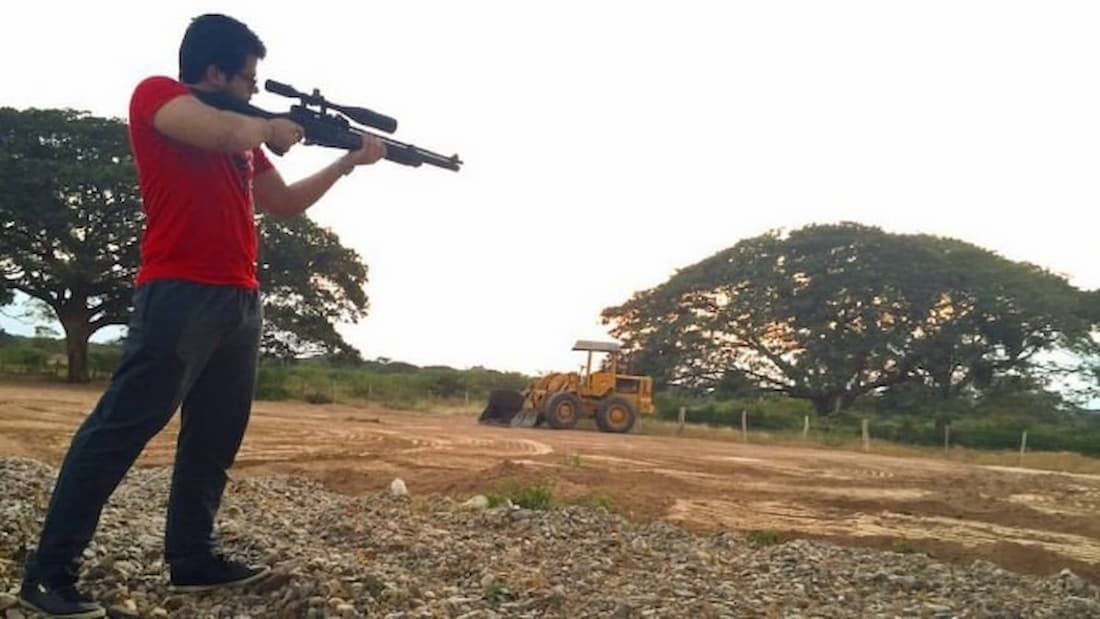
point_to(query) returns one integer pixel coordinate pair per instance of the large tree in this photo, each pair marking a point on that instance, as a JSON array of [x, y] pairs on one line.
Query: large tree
[[993, 319], [70, 217], [310, 283], [829, 313], [70, 227]]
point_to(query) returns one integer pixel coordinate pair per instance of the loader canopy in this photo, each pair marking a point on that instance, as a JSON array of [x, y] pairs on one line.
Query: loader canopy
[[589, 345]]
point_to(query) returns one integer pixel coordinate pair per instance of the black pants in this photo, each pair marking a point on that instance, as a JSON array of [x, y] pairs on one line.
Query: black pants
[[188, 344]]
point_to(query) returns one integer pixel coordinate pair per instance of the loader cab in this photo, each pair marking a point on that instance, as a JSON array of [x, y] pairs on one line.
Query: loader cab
[[607, 380], [603, 380]]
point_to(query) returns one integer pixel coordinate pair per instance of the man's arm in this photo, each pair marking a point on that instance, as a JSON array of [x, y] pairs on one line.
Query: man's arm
[[191, 121], [274, 196]]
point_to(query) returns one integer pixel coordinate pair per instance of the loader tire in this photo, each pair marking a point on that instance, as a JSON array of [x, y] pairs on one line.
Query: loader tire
[[615, 414], [563, 410]]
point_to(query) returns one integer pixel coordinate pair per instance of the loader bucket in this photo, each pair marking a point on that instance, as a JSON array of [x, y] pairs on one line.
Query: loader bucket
[[526, 418], [502, 408]]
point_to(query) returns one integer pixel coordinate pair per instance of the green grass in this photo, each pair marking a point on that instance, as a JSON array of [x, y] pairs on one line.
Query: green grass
[[536, 496], [902, 547], [541, 496], [597, 500], [497, 592], [764, 538]]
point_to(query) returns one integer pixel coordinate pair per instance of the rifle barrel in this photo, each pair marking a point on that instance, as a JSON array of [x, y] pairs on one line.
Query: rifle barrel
[[409, 152]]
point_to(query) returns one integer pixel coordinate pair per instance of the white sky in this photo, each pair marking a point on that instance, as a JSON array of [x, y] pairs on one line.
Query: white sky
[[608, 144]]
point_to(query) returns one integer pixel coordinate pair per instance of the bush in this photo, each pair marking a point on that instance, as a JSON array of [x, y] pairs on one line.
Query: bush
[[27, 357], [409, 388], [104, 360], [271, 384], [318, 397], [769, 413]]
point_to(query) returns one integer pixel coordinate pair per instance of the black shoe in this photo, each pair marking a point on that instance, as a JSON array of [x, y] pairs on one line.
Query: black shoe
[[212, 572], [60, 602]]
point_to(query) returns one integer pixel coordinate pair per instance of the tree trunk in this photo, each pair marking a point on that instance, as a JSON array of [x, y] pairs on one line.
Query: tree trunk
[[823, 405], [77, 333]]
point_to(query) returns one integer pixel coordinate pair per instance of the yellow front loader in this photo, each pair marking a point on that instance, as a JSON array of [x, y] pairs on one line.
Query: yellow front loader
[[560, 400]]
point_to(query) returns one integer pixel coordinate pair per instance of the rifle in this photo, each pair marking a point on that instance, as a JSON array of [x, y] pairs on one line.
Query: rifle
[[332, 129]]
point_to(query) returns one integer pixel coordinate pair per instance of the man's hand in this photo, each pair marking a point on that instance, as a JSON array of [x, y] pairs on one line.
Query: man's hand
[[373, 149], [284, 134]]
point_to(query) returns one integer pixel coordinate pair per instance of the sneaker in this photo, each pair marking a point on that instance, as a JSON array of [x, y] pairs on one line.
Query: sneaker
[[213, 572], [60, 602]]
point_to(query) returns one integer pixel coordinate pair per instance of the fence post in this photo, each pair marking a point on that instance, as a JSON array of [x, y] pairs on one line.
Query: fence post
[[1023, 447], [682, 416], [947, 439], [744, 426], [866, 434], [467, 397], [805, 427]]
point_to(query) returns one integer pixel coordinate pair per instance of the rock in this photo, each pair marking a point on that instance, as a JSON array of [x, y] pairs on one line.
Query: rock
[[336, 589], [1070, 582], [477, 502], [175, 602], [375, 586], [128, 568], [276, 580], [125, 610], [397, 488]]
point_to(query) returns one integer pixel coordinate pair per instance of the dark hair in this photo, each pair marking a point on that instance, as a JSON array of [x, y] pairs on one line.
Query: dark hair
[[217, 40]]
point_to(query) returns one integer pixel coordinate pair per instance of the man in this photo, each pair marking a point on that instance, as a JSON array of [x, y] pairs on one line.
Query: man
[[194, 335]]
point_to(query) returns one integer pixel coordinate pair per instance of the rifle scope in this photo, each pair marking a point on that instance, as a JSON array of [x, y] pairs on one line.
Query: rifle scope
[[360, 115]]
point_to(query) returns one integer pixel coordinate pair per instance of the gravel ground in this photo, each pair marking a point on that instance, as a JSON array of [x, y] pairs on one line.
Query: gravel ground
[[391, 555]]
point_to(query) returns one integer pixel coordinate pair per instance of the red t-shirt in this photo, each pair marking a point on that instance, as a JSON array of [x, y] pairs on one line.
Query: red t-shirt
[[198, 203]]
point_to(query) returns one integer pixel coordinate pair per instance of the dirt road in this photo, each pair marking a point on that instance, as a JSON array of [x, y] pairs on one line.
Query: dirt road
[[1024, 520]]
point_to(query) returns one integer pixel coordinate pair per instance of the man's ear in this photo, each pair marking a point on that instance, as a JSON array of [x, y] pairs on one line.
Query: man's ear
[[215, 76]]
